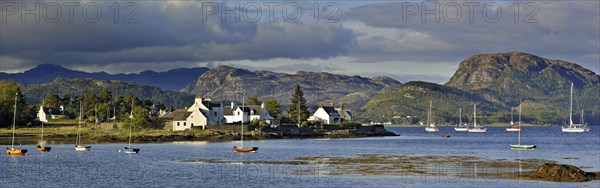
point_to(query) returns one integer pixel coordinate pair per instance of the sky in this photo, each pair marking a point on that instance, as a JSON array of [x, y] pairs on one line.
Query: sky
[[405, 40]]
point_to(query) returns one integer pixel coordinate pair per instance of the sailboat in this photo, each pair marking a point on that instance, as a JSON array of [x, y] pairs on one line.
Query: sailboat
[[512, 127], [476, 129], [574, 128], [40, 147], [461, 127], [78, 146], [518, 145], [242, 148], [12, 150], [129, 149], [430, 125]]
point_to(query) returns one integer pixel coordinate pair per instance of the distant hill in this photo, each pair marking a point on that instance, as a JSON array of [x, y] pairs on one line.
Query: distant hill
[[75, 86], [173, 80], [228, 83], [497, 82]]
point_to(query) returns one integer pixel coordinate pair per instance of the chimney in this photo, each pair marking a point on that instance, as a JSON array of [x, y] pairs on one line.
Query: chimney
[[332, 104], [321, 104], [262, 105], [232, 105], [198, 100]]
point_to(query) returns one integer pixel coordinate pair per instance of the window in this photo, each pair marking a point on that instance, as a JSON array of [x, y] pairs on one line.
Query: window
[[184, 123], [192, 124], [215, 113], [238, 113], [177, 123]]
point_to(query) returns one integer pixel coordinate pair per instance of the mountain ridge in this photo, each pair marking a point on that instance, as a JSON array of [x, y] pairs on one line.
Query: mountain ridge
[[172, 80], [228, 83]]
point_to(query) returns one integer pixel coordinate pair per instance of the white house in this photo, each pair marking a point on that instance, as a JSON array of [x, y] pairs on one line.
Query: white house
[[202, 113], [237, 114], [330, 115], [45, 114]]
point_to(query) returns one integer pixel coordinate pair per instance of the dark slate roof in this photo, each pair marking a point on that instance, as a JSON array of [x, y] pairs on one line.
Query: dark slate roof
[[212, 104], [178, 115], [53, 111], [330, 111], [344, 113]]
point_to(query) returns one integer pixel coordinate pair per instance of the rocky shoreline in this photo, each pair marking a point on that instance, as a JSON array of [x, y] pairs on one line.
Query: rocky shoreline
[[450, 166], [214, 135]]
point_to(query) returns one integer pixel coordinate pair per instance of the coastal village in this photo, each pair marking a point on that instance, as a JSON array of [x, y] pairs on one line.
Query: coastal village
[[206, 112]]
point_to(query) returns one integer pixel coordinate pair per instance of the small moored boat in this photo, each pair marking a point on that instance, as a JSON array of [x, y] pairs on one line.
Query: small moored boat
[[12, 150], [252, 149], [518, 145], [242, 148], [43, 148]]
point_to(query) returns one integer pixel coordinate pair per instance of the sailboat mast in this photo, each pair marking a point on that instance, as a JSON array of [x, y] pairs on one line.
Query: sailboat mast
[[42, 136], [12, 144], [581, 121], [459, 117], [243, 117], [571, 106], [130, 123], [519, 124], [79, 123], [474, 115], [511, 115], [429, 115]]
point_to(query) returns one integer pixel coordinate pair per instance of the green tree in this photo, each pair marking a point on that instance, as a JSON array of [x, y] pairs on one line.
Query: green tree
[[25, 114], [253, 100], [298, 107], [53, 101], [105, 95], [273, 107]]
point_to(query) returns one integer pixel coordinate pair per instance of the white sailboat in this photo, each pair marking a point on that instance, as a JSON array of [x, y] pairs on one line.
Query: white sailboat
[[78, 146], [129, 149], [518, 145], [461, 127], [476, 129], [512, 127], [241, 148], [574, 128], [12, 150], [430, 125]]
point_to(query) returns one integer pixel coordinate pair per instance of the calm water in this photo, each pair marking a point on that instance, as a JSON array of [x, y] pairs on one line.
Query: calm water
[[160, 165]]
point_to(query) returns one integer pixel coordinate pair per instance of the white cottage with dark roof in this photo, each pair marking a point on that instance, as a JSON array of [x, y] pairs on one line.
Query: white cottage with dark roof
[[237, 114], [45, 114], [202, 113], [330, 115]]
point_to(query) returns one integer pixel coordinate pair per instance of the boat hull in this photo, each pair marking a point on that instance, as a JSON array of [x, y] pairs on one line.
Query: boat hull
[[517, 146], [131, 150], [574, 130], [478, 130], [513, 129], [461, 129], [432, 129], [13, 151], [43, 148], [244, 150], [83, 148]]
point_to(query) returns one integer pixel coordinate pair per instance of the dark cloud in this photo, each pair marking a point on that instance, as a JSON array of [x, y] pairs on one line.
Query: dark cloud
[[170, 34], [563, 29], [167, 32]]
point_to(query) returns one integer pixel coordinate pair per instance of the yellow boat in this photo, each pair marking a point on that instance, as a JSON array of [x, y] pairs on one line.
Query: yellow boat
[[252, 149], [43, 148], [13, 151]]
